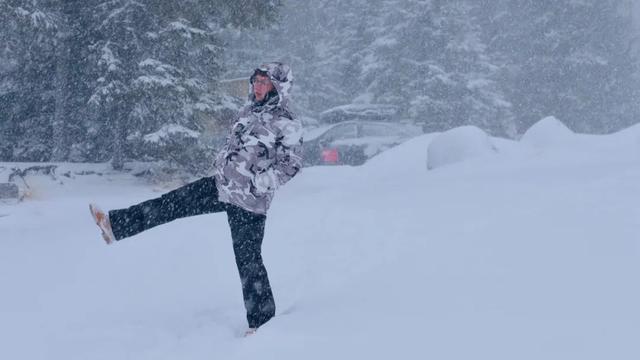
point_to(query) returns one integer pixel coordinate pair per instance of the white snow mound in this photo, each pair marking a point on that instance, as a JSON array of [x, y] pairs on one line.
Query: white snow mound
[[458, 144], [629, 136], [548, 132]]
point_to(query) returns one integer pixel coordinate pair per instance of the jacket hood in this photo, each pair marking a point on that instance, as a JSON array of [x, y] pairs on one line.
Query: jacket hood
[[281, 78]]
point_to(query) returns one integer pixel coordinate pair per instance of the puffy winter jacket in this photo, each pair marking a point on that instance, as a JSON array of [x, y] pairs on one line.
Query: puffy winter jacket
[[263, 149]]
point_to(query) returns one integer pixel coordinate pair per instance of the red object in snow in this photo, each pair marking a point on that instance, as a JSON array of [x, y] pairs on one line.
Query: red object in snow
[[330, 156]]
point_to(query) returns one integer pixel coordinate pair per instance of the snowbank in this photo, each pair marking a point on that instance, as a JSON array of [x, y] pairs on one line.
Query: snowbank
[[629, 137], [404, 160], [547, 132], [44, 181], [458, 145]]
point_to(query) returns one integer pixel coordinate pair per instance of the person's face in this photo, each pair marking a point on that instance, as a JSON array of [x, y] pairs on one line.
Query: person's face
[[261, 87]]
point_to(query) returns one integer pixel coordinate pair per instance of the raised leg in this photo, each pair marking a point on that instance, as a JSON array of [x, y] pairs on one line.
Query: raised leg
[[196, 198]]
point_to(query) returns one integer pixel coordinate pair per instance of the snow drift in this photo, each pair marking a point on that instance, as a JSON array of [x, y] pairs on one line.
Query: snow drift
[[457, 145], [547, 132]]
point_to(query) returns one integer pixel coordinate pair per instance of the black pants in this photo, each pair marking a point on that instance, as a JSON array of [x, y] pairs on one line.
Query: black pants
[[247, 231]]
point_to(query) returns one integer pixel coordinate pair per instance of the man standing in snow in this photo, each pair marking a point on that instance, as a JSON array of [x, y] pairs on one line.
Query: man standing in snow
[[262, 152]]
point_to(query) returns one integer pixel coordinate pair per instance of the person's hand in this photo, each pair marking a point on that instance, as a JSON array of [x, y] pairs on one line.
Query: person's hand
[[266, 181]]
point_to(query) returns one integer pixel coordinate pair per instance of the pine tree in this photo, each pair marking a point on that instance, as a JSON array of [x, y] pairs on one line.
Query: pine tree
[[572, 60], [27, 84], [74, 75], [431, 61], [96, 80]]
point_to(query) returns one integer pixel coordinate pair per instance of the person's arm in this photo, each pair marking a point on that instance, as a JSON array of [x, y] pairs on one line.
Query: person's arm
[[288, 150], [288, 157]]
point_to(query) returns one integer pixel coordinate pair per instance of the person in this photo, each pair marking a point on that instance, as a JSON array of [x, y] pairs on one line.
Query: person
[[263, 151]]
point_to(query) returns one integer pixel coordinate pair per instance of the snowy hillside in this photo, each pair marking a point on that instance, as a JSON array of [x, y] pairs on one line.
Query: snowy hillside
[[529, 250]]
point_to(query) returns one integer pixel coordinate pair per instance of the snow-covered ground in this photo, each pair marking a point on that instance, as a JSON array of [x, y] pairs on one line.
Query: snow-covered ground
[[528, 251]]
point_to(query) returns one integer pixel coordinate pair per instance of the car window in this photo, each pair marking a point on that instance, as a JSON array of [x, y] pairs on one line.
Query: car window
[[340, 132]]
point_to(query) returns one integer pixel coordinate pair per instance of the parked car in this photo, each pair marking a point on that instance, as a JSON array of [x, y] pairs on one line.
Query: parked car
[[353, 142], [362, 112]]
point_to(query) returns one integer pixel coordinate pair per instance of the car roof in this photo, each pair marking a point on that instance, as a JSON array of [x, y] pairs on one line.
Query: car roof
[[319, 131], [359, 111]]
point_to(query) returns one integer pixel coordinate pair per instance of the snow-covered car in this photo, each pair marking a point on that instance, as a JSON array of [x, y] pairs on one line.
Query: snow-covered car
[[363, 112], [353, 142]]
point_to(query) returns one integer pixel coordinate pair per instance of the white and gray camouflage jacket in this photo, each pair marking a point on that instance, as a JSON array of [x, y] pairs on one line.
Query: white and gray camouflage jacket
[[263, 149]]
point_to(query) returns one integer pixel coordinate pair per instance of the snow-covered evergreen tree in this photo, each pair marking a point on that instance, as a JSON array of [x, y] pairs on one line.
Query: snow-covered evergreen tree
[[429, 59], [28, 32], [570, 59], [95, 81]]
